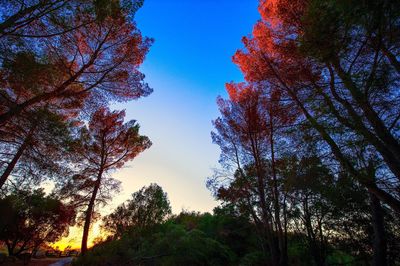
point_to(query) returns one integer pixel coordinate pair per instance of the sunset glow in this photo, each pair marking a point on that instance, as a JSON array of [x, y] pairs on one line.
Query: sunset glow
[[212, 133]]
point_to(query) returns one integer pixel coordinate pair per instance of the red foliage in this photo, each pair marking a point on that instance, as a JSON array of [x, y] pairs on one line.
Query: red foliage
[[96, 63], [324, 56], [106, 144], [272, 52]]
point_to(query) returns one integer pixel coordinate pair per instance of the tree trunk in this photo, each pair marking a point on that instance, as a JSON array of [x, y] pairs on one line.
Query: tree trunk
[[283, 259], [267, 222], [371, 115], [357, 124], [378, 224], [313, 244], [10, 167], [384, 196], [9, 249], [89, 213], [392, 58], [381, 194]]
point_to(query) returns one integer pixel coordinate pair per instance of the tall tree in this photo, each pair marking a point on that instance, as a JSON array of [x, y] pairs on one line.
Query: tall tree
[[95, 63], [335, 62], [147, 207], [105, 145], [33, 147], [247, 133], [59, 57]]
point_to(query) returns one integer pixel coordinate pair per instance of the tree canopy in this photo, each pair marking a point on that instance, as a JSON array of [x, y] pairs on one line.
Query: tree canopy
[[309, 141]]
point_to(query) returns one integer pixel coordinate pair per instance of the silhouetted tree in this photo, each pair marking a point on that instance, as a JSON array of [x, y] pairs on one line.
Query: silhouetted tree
[[103, 146], [247, 132], [344, 84], [31, 219], [93, 63], [147, 207], [32, 148]]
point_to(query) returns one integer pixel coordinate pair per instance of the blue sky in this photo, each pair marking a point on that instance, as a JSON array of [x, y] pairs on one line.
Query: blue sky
[[187, 66]]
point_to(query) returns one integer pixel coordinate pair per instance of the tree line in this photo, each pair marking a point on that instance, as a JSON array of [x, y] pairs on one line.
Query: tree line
[[62, 62], [310, 151], [310, 141]]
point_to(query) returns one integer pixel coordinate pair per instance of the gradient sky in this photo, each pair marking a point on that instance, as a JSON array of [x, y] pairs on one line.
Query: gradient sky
[[187, 66]]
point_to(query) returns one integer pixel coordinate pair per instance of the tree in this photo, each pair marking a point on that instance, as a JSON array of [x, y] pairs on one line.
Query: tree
[[26, 18], [332, 60], [318, 203], [103, 146], [33, 147], [147, 207], [337, 63], [247, 132], [31, 219], [92, 64], [163, 244], [60, 57]]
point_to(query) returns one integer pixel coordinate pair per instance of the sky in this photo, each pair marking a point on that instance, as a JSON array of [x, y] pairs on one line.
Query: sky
[[187, 66]]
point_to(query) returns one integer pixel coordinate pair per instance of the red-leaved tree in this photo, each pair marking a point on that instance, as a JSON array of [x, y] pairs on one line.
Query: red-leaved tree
[[247, 132], [337, 62], [91, 65], [105, 145]]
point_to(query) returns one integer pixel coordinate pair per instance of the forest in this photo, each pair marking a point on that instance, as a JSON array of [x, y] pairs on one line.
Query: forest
[[309, 168]]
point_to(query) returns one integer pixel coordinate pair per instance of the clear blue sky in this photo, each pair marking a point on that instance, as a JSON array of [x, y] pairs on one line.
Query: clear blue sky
[[187, 67]]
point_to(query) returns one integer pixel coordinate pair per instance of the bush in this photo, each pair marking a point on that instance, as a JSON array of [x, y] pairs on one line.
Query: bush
[[166, 244]]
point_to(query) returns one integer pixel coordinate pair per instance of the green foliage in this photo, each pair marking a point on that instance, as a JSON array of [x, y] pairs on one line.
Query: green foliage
[[166, 244], [254, 258], [192, 238], [113, 8], [298, 251], [341, 258], [147, 207]]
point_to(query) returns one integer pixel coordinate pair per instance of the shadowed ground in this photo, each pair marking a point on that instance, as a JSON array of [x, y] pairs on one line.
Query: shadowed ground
[[42, 262]]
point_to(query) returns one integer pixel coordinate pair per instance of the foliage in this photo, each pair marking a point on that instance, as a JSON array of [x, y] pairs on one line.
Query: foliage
[[187, 239], [192, 238], [310, 148], [69, 53], [61, 60], [33, 148], [147, 207], [344, 84], [310, 142], [102, 146], [62, 63], [31, 219]]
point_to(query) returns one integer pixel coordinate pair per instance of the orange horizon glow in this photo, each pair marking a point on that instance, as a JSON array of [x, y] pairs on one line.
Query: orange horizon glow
[[74, 238]]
